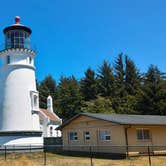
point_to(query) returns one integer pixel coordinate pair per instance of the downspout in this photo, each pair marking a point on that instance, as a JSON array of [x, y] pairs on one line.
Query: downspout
[[126, 140]]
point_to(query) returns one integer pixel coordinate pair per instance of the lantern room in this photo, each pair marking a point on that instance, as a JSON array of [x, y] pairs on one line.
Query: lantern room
[[17, 35]]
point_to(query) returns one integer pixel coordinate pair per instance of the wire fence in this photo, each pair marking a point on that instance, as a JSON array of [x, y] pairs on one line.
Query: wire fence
[[87, 155]]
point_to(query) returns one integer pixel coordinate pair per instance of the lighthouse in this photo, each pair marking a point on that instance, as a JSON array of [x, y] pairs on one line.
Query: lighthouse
[[19, 98]]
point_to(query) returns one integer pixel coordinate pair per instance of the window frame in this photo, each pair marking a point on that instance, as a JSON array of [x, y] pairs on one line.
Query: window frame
[[143, 135], [74, 136], [30, 60], [87, 136], [51, 131], [17, 39], [34, 100], [104, 135], [8, 60]]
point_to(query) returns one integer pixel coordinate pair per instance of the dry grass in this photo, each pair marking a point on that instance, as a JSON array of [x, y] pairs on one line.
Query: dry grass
[[58, 160], [22, 161]]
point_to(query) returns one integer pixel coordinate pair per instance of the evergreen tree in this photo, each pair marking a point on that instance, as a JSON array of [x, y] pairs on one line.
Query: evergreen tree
[[69, 97], [106, 80], [47, 87], [152, 100], [127, 85], [119, 90], [98, 105], [125, 105], [118, 99], [132, 77], [120, 76], [88, 85]]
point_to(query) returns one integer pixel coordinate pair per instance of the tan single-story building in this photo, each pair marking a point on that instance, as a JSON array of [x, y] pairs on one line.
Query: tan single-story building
[[115, 133]]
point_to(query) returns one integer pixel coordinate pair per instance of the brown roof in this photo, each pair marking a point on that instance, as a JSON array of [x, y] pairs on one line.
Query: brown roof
[[52, 116]]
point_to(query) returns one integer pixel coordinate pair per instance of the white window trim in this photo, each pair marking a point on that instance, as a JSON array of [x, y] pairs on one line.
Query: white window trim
[[104, 140], [33, 94], [144, 140], [86, 135], [73, 140]]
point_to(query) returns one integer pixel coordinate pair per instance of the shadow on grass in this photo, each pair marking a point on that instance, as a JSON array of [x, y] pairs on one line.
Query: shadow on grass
[[65, 153]]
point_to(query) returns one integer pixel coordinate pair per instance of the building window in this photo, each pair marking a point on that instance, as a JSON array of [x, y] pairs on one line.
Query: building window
[[87, 135], [51, 131], [57, 133], [35, 98], [30, 60], [104, 135], [17, 39], [8, 59], [73, 136], [143, 134]]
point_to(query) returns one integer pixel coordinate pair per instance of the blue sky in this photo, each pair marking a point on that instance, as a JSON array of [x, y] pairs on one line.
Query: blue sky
[[71, 35]]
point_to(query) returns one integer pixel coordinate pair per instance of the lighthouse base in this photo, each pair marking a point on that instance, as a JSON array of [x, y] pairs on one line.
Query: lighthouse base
[[21, 138]]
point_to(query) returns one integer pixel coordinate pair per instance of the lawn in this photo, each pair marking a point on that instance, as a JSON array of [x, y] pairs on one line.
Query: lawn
[[36, 159]]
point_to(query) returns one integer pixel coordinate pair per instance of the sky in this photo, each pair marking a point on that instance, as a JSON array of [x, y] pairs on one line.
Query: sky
[[72, 35]]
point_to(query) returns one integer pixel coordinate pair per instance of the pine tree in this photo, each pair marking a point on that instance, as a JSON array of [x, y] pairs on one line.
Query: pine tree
[[132, 77], [119, 99], [69, 97], [43, 94], [88, 85], [47, 87], [119, 70], [98, 105], [127, 85], [152, 100], [106, 80]]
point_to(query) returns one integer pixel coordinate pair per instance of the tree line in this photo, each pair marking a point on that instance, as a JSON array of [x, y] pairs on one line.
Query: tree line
[[119, 88]]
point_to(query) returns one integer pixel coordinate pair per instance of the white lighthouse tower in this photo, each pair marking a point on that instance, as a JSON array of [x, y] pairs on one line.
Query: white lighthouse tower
[[19, 99]]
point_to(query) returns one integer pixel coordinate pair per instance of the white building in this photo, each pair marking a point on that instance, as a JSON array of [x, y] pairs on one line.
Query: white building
[[19, 99], [49, 121]]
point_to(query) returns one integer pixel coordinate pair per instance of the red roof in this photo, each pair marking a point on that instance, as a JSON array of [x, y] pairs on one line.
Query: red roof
[[52, 116]]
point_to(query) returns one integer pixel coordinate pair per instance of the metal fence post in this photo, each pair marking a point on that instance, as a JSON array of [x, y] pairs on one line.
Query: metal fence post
[[14, 151], [90, 148], [30, 148], [5, 153], [149, 156], [45, 156]]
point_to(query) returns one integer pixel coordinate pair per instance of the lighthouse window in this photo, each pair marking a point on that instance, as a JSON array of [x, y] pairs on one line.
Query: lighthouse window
[[30, 60], [16, 34], [8, 59], [35, 101], [17, 39]]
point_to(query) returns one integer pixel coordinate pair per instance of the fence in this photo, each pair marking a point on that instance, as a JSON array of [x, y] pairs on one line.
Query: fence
[[50, 153], [32, 47]]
